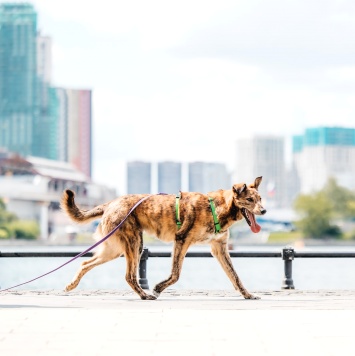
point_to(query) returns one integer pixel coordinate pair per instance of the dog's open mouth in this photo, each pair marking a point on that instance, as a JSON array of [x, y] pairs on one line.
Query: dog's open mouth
[[250, 218]]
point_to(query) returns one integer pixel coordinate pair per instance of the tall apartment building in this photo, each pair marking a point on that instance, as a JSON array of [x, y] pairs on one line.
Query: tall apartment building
[[263, 156], [169, 177], [58, 111], [79, 129], [19, 102], [205, 177], [44, 124], [139, 177], [322, 153], [37, 119]]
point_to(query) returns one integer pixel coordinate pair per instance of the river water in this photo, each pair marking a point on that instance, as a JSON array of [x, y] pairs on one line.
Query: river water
[[197, 273]]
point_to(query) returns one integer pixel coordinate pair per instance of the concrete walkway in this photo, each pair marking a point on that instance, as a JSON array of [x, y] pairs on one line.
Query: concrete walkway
[[180, 322]]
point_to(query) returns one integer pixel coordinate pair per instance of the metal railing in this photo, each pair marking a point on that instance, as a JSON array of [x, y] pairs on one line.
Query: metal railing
[[288, 254]]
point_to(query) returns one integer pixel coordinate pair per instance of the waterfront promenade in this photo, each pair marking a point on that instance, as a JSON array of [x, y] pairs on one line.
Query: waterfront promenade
[[180, 322]]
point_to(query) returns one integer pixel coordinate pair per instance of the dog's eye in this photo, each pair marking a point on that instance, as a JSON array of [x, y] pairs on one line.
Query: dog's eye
[[250, 199]]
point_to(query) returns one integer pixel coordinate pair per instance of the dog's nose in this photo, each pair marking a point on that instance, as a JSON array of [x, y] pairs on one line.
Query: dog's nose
[[263, 211]]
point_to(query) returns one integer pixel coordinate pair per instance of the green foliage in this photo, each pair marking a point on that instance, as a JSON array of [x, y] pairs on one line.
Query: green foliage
[[284, 237], [4, 234], [342, 199], [351, 208], [5, 216], [10, 226], [316, 211], [23, 229], [319, 209]]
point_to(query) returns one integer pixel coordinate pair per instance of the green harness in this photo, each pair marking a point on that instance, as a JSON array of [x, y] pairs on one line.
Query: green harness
[[217, 226], [177, 211]]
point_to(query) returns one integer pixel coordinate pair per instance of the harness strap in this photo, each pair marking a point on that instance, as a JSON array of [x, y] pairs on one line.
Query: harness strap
[[177, 210], [217, 226]]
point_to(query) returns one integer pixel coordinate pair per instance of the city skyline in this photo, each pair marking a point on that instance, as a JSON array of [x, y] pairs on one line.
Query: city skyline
[[184, 83]]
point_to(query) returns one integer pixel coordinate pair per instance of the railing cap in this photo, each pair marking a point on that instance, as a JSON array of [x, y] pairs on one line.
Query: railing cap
[[288, 253]]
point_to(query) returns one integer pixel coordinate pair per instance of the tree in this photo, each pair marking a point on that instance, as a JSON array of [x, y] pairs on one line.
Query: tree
[[342, 199], [11, 226], [316, 211], [5, 216]]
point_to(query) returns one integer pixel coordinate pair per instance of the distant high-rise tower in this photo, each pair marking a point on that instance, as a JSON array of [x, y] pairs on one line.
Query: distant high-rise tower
[[19, 103], [322, 153], [262, 156], [205, 177], [139, 177], [35, 118], [58, 112], [44, 58], [169, 177], [79, 129], [44, 125]]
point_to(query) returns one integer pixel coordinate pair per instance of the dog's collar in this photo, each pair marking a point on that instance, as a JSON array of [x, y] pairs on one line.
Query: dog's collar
[[217, 226]]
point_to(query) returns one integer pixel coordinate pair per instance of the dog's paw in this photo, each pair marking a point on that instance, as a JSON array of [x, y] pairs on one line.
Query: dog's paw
[[156, 294], [251, 296], [68, 288], [148, 297]]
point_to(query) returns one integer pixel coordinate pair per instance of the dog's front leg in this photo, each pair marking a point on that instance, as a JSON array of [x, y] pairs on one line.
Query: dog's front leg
[[180, 249], [220, 251]]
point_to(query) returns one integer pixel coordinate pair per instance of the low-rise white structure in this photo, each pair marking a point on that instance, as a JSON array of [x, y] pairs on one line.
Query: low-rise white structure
[[32, 188]]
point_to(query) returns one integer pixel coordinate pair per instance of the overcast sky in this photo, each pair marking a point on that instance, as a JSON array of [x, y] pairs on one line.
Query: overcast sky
[[183, 80]]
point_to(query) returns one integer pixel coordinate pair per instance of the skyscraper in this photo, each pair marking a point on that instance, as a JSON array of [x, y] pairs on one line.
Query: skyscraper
[[37, 119], [44, 124], [322, 153], [169, 177], [79, 129], [205, 177], [19, 104], [139, 177], [262, 156]]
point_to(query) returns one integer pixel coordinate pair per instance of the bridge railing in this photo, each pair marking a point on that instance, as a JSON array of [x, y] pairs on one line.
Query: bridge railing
[[287, 254]]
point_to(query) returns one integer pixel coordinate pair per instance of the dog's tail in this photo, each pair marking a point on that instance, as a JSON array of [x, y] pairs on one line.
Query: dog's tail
[[75, 213]]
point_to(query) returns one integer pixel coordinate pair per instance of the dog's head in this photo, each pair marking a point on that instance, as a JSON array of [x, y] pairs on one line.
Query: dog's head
[[248, 200]]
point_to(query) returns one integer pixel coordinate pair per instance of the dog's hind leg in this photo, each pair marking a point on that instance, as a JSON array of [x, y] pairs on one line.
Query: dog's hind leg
[[133, 251], [220, 251], [180, 249], [105, 254]]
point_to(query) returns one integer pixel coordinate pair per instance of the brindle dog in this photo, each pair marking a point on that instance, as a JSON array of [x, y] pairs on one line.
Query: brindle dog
[[157, 216]]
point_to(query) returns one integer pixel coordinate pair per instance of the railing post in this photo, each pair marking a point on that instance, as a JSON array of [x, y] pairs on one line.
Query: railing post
[[288, 254], [143, 281]]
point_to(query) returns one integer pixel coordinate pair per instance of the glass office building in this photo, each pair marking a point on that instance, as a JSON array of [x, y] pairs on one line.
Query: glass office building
[[19, 104], [37, 119], [322, 153]]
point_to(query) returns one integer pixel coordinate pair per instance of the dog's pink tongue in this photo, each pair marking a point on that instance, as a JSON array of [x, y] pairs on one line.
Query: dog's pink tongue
[[255, 227]]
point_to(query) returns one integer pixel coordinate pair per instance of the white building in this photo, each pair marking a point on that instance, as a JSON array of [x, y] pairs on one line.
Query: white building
[[263, 156], [322, 153], [32, 188]]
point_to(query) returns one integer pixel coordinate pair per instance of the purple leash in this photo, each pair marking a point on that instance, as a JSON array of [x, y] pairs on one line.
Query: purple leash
[[88, 249]]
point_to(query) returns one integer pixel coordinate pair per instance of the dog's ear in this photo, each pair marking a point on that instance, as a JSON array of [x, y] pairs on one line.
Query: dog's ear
[[256, 183], [239, 188]]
